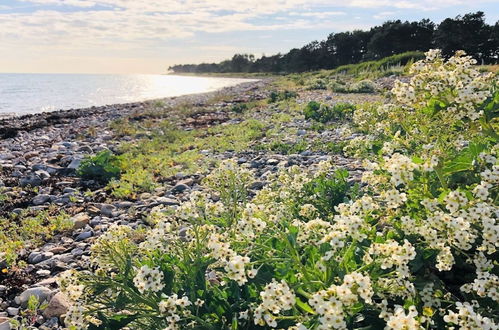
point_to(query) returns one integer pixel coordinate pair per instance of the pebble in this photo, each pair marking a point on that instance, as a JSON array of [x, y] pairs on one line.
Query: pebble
[[80, 220], [41, 293], [107, 210], [83, 236], [41, 199], [57, 306], [36, 257], [12, 311]]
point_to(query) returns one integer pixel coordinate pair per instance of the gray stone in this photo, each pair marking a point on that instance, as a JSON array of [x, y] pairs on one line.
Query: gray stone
[[57, 306], [37, 257], [51, 324], [180, 187], [301, 132], [5, 323], [84, 236], [167, 201], [75, 163], [124, 205], [272, 161], [42, 293], [43, 174], [69, 190], [43, 272], [12, 311], [41, 199], [107, 210], [31, 180]]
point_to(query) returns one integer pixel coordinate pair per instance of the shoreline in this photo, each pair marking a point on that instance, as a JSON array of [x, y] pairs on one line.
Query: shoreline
[[11, 125]]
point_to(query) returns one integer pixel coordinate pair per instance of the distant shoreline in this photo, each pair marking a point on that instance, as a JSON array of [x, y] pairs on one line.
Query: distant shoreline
[[11, 125]]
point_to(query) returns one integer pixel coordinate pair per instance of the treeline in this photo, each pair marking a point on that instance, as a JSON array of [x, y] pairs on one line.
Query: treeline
[[469, 32]]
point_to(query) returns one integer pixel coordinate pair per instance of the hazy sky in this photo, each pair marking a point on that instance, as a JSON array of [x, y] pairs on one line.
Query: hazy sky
[[146, 36]]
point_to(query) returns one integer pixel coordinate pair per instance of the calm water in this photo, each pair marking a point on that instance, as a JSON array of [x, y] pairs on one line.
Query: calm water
[[32, 93]]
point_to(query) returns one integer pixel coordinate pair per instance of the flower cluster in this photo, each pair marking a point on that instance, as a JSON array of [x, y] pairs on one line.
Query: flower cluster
[[148, 279], [331, 304], [276, 297]]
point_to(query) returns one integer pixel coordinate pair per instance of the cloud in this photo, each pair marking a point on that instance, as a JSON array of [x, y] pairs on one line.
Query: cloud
[[384, 15], [148, 28]]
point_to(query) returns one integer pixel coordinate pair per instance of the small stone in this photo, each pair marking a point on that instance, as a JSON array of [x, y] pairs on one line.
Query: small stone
[[43, 272], [37, 257], [51, 324], [43, 174], [80, 220], [5, 323], [180, 187], [84, 236], [12, 311], [257, 185], [107, 210], [32, 180], [167, 201], [41, 199], [242, 160], [42, 293], [301, 132], [69, 190], [124, 205], [272, 161], [58, 305], [74, 164]]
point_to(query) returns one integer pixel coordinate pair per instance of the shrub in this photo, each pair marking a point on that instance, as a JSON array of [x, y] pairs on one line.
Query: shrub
[[288, 148], [281, 96], [324, 113], [102, 167], [317, 84], [363, 86], [239, 108]]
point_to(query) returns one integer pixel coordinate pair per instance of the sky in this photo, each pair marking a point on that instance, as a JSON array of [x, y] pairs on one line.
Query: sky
[[147, 36]]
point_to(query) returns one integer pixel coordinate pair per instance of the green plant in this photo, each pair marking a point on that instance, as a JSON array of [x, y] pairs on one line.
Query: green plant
[[324, 113], [281, 96], [27, 231], [239, 108], [363, 86], [102, 167]]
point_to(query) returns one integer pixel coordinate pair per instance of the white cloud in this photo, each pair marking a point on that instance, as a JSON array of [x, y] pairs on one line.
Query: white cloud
[[384, 15], [155, 28]]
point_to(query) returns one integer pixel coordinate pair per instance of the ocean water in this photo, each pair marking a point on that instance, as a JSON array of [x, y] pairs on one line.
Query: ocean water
[[33, 93]]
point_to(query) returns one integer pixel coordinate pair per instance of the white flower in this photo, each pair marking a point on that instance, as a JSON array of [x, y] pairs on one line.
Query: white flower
[[148, 279]]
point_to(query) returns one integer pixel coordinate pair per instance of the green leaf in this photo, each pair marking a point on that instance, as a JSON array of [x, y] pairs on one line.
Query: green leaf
[[464, 160], [304, 306]]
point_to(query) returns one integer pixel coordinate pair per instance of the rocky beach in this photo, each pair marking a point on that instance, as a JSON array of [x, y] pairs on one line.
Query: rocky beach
[[40, 155]]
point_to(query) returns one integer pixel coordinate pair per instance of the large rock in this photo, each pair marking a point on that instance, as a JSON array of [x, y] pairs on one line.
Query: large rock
[[42, 293], [58, 305]]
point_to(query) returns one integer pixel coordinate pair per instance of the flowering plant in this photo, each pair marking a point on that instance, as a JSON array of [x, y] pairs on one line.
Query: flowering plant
[[415, 248]]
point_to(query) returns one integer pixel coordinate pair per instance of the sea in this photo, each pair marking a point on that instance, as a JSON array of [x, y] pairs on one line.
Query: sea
[[22, 93]]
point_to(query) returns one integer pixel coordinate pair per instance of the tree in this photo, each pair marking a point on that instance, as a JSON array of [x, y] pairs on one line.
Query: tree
[[469, 33]]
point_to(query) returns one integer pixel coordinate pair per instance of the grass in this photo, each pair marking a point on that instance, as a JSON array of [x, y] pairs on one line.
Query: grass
[[29, 230], [171, 150]]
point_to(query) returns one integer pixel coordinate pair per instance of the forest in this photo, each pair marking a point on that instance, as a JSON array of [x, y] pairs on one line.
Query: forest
[[469, 32]]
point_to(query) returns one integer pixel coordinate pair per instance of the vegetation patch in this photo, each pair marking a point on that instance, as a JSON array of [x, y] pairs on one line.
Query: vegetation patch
[[415, 247]]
